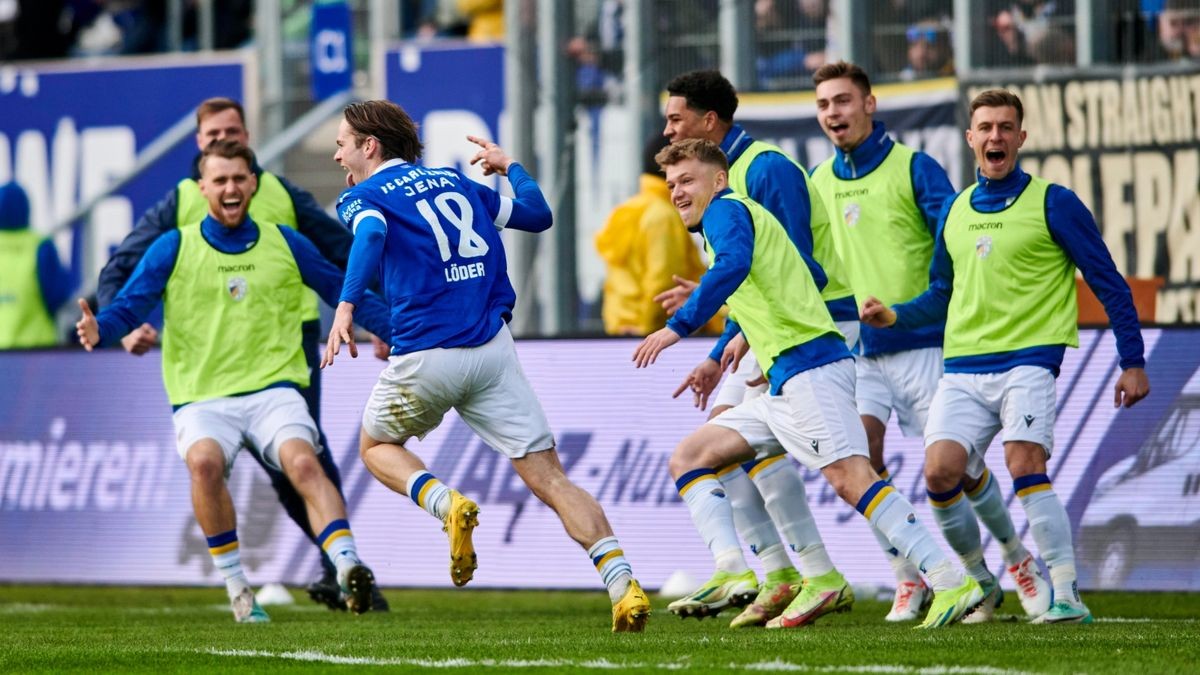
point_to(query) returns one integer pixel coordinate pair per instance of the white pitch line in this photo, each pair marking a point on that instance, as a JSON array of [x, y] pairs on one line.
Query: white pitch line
[[604, 664]]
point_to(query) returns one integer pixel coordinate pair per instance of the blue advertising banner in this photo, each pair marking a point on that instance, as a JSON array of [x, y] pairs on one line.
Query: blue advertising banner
[[67, 130], [88, 456], [331, 49]]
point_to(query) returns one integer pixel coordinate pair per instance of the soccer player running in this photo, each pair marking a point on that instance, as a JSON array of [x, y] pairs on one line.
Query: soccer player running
[[809, 410], [233, 362], [767, 491], [276, 201], [433, 236], [1003, 280], [884, 200]]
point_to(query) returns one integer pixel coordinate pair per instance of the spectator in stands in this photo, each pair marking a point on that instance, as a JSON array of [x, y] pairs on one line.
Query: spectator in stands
[[33, 283], [1178, 27], [790, 35], [929, 53], [644, 244]]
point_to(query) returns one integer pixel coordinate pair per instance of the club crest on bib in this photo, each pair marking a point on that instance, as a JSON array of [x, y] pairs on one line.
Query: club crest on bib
[[851, 213], [983, 246], [236, 287]]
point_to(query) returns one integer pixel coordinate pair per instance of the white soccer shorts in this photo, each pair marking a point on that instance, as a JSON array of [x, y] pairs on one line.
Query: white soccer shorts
[[264, 419], [734, 391], [813, 418], [904, 382], [484, 384], [970, 409]]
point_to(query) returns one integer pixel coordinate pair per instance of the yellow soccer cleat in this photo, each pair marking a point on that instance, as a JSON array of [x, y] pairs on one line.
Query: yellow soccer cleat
[[632, 611], [951, 605], [463, 517]]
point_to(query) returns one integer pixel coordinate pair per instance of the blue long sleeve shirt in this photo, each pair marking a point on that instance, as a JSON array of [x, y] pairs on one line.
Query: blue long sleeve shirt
[[330, 238], [1072, 227], [145, 288], [931, 192], [54, 280], [728, 227], [432, 236]]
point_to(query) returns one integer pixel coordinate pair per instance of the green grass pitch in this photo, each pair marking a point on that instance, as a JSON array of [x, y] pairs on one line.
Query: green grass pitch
[[111, 629]]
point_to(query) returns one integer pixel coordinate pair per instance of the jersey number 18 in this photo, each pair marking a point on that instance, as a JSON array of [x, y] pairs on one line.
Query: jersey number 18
[[470, 244]]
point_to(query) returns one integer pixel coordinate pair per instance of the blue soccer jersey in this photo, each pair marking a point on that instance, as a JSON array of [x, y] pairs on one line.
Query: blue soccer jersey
[[433, 237]]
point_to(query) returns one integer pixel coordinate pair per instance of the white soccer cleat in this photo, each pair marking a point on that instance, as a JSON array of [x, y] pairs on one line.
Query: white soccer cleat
[[246, 609], [1031, 587], [912, 598]]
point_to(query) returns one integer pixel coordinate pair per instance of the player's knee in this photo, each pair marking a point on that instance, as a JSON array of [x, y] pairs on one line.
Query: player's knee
[[303, 467], [687, 456], [206, 468], [940, 476], [1024, 459]]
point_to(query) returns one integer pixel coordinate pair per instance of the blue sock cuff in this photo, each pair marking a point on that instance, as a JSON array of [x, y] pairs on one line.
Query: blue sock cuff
[[985, 482], [415, 494], [222, 539], [686, 480], [1034, 482], [944, 499], [874, 496], [336, 525]]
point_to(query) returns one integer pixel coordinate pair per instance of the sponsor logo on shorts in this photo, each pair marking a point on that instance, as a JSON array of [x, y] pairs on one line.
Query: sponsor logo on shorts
[[912, 518], [815, 445], [1029, 420]]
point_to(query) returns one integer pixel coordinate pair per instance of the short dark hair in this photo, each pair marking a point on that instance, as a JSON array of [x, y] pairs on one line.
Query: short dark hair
[[706, 90], [704, 150], [998, 98], [650, 150], [840, 69], [227, 148], [212, 106], [388, 124]]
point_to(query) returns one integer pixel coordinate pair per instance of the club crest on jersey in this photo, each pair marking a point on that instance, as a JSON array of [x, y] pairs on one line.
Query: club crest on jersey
[[851, 213], [983, 246], [237, 288]]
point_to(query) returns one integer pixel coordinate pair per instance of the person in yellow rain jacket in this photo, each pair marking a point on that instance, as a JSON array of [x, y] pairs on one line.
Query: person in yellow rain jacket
[[644, 244]]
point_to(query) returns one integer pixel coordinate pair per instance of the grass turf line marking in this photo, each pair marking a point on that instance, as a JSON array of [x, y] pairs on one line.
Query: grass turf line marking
[[604, 664]]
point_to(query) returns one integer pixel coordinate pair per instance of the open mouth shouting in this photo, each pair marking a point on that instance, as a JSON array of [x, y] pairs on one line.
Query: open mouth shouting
[[232, 209]]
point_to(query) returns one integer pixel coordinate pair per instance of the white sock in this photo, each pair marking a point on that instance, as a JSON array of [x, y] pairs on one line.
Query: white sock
[[1051, 530], [989, 507], [904, 570], [614, 569], [957, 522], [429, 493], [750, 516], [713, 517], [227, 558], [888, 510], [786, 500]]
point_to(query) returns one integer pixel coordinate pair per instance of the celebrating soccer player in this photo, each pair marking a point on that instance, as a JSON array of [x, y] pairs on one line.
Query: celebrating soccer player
[[809, 410], [434, 236], [1003, 280]]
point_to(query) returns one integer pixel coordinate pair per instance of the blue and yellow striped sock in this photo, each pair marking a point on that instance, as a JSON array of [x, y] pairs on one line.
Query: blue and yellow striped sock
[[889, 511], [989, 507], [783, 492], [430, 494], [750, 517], [954, 516], [904, 570], [614, 569], [713, 517], [338, 544], [227, 558], [1051, 529]]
